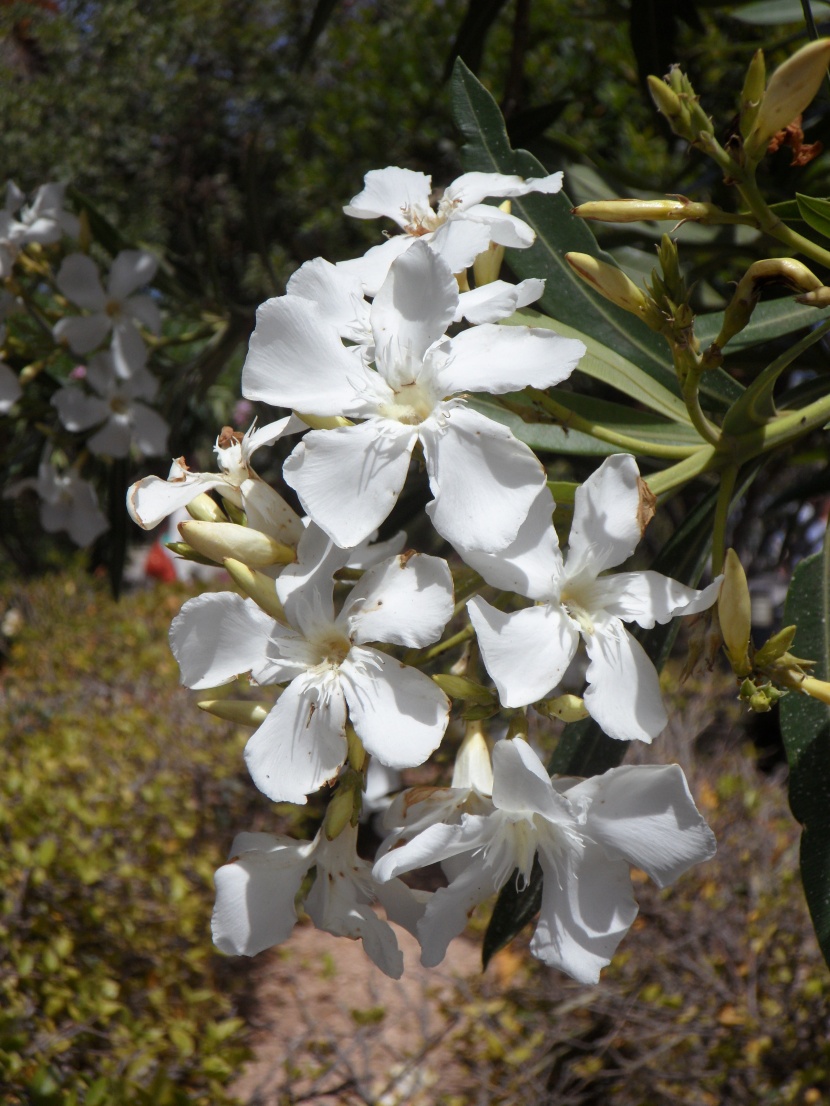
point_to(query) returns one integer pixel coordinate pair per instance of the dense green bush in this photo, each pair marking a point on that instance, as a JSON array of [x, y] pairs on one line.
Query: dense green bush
[[116, 803]]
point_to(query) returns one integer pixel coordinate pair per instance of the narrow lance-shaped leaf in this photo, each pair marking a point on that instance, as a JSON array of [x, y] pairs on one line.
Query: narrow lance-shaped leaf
[[805, 727]]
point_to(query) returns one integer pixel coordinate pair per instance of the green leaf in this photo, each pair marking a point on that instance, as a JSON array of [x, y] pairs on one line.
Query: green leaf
[[607, 365], [771, 13], [488, 150], [545, 437], [815, 212], [770, 320], [805, 727], [583, 749], [787, 210]]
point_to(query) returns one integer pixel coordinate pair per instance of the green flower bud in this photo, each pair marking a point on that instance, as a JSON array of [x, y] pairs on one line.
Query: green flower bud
[[236, 710], [775, 648], [205, 509], [460, 687], [221, 540], [568, 708], [753, 92], [614, 285], [735, 614], [669, 104]]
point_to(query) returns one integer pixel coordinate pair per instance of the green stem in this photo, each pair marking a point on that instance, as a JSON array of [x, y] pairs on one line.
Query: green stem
[[725, 491], [571, 421], [691, 397], [781, 431], [441, 647], [771, 224], [677, 475]]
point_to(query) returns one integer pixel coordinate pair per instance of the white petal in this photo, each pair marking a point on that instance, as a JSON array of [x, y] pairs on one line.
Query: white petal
[[216, 637], [79, 281], [448, 911], [484, 480], [151, 500], [10, 390], [646, 815], [521, 784], [82, 332], [338, 295], [373, 268], [150, 431], [649, 597], [414, 306], [497, 300], [532, 564], [472, 188], [436, 843], [496, 359], [392, 192], [130, 270], [257, 436], [398, 713], [349, 479], [301, 744], [587, 909], [402, 905], [255, 895], [407, 600], [296, 359], [606, 527], [129, 353], [623, 695], [502, 228], [311, 578], [459, 242], [113, 439], [144, 310], [526, 652], [77, 410]]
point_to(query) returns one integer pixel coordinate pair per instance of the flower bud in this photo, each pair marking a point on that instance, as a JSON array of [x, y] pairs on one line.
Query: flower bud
[[678, 210], [344, 805], [242, 711], [735, 614], [205, 509], [487, 265], [220, 540], [568, 708], [257, 586], [324, 422], [775, 648], [790, 91], [460, 687], [819, 297], [669, 104], [761, 275], [473, 767], [753, 92], [614, 285], [188, 553]]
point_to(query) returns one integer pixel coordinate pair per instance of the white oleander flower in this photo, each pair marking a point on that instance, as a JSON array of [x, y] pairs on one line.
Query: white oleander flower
[[116, 309], [527, 652], [256, 892], [459, 229], [67, 502], [398, 713], [348, 478], [117, 407], [585, 833], [43, 221]]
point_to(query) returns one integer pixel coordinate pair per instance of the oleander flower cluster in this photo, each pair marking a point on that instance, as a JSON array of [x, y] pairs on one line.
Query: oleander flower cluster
[[374, 366]]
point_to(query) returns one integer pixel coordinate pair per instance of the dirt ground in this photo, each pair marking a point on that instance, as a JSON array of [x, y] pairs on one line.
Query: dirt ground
[[331, 1028]]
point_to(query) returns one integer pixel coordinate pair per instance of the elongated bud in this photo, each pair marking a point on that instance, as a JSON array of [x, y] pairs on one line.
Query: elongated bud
[[205, 509], [242, 711], [460, 687], [220, 540], [775, 648], [234, 512], [735, 614], [257, 586], [614, 285], [753, 92], [678, 210], [669, 104], [761, 275], [356, 754], [344, 805], [568, 708], [820, 297], [790, 91], [487, 265], [324, 422], [188, 553]]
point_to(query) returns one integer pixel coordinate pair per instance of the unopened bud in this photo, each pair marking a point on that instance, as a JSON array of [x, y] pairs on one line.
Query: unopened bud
[[760, 275], [735, 614], [669, 104], [257, 586], [614, 285], [790, 91], [487, 265], [473, 767], [753, 92], [220, 540], [677, 210], [820, 297], [205, 509], [568, 708], [188, 553], [460, 687], [775, 647], [236, 710], [344, 805], [30, 372]]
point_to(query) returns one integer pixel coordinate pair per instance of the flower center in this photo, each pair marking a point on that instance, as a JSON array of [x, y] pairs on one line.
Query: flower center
[[420, 221], [411, 404], [332, 649], [578, 613]]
